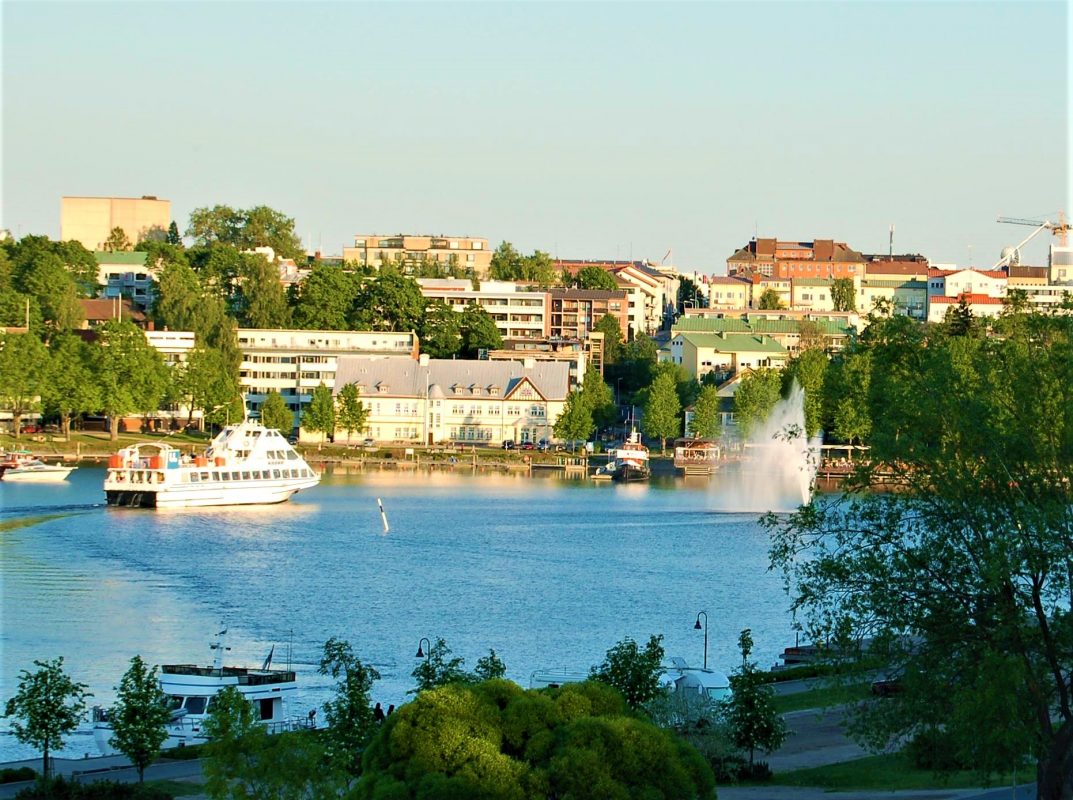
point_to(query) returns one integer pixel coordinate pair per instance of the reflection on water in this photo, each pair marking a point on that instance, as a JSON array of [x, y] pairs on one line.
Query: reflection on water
[[548, 571]]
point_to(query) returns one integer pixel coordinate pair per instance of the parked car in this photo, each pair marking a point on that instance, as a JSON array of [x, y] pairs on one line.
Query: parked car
[[30, 428], [543, 445], [508, 444], [369, 443], [886, 688], [528, 446]]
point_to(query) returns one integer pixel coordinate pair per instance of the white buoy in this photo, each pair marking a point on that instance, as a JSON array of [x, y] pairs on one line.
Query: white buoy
[[383, 516]]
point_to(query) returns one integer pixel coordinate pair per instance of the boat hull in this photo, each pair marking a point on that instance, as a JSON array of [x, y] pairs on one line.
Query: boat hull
[[52, 475], [629, 473], [204, 495]]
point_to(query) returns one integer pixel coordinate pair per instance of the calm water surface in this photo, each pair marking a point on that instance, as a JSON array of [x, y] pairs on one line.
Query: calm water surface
[[549, 572]]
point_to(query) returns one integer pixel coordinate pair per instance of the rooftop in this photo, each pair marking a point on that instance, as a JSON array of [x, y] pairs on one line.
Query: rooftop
[[135, 258], [733, 342], [407, 377]]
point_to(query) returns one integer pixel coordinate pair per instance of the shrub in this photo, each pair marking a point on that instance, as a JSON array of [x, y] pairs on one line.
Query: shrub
[[15, 775], [62, 789], [936, 750]]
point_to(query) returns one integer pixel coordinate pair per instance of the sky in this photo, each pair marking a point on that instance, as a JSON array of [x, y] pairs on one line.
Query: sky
[[587, 130]]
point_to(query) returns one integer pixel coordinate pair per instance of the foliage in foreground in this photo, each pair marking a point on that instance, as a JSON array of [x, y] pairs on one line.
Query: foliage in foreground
[[497, 740], [61, 789], [139, 716], [963, 574]]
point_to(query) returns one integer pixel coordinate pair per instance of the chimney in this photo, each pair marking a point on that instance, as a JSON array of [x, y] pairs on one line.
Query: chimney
[[529, 363], [423, 360]]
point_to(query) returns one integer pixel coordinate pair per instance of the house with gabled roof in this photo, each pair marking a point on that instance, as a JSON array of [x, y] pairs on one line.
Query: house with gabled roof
[[725, 354], [433, 401]]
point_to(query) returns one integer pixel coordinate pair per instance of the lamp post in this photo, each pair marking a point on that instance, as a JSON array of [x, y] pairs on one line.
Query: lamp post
[[696, 627], [420, 652]]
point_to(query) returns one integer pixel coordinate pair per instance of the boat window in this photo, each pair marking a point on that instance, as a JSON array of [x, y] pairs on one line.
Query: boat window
[[225, 476], [195, 705], [275, 473], [245, 476], [293, 456], [266, 708], [193, 477], [204, 476]]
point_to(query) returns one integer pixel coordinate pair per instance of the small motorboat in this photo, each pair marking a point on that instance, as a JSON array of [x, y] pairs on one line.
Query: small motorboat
[[35, 471]]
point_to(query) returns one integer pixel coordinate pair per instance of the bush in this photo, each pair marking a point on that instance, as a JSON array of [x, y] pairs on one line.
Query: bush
[[63, 789], [15, 775], [759, 772], [935, 750]]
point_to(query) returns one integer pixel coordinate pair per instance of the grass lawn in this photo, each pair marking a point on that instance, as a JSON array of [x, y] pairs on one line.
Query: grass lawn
[[887, 772], [823, 697], [177, 788]]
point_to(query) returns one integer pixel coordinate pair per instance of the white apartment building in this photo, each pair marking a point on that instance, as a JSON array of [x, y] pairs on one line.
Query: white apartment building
[[952, 283], [295, 362], [125, 274], [415, 401], [518, 314]]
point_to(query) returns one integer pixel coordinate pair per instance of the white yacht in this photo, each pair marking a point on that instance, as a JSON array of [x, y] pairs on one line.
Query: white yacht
[[190, 690], [35, 471], [245, 464]]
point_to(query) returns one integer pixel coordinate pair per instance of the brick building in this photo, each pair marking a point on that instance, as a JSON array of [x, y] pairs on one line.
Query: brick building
[[821, 258]]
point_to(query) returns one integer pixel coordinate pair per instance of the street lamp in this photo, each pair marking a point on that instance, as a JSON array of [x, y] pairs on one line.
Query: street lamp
[[696, 627], [420, 652]]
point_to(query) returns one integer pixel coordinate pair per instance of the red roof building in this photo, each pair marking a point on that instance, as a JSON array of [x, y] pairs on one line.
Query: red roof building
[[821, 258]]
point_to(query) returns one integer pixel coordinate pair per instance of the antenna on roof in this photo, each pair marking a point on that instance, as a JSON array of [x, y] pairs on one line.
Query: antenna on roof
[[890, 251]]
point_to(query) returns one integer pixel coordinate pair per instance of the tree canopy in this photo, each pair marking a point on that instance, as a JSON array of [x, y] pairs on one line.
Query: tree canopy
[[706, 422], [276, 414], [496, 740], [663, 409], [595, 278], [632, 670], [963, 576], [245, 229], [757, 394], [139, 716]]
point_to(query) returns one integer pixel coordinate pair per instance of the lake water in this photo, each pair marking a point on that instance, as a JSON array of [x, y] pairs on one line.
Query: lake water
[[548, 571]]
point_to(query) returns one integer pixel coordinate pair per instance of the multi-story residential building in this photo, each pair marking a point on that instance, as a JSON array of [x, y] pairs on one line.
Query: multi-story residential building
[[90, 220], [518, 314], [725, 354], [175, 346], [729, 292], [415, 401], [653, 294], [575, 312], [981, 305], [952, 283], [125, 274], [821, 258], [295, 362], [906, 295], [1060, 264], [466, 252]]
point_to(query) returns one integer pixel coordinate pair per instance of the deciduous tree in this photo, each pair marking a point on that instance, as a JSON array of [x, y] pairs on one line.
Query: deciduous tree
[[440, 667], [770, 300], [139, 716], [489, 667], [632, 670], [755, 723], [275, 414], [440, 335], [260, 301], [757, 394], [612, 331], [118, 241], [130, 373], [599, 400], [349, 714], [478, 331], [46, 708], [178, 304], [24, 371], [809, 370], [388, 301], [319, 416], [351, 414], [662, 410], [843, 295], [705, 422], [173, 234], [595, 278], [963, 576], [575, 422], [324, 298], [70, 388]]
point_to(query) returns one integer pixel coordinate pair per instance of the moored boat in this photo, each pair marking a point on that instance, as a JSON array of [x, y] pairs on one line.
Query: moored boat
[[246, 464], [33, 470], [190, 691], [630, 461]]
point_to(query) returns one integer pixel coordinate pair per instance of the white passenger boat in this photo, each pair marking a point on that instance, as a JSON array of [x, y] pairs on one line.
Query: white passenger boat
[[35, 471], [245, 464], [629, 462], [190, 691]]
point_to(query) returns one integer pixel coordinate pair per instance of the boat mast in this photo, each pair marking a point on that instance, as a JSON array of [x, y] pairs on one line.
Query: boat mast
[[218, 646]]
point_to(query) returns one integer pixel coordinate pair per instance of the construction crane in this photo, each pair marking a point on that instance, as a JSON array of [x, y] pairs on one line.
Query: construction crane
[[1059, 229]]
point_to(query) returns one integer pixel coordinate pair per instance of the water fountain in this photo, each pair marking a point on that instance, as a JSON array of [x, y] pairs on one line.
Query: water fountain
[[778, 466]]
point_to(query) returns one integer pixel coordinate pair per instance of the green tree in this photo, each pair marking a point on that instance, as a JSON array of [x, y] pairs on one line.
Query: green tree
[[49, 282], [130, 372], [755, 723], [960, 321], [706, 421], [243, 762], [963, 576], [178, 303], [770, 300], [538, 269], [440, 667], [757, 394], [478, 331], [209, 385], [440, 336], [139, 716], [24, 372], [575, 422], [599, 400], [389, 301], [352, 413], [662, 410], [350, 718], [245, 229], [70, 388], [78, 262], [612, 331], [117, 241], [46, 708], [638, 363], [260, 301], [173, 235], [847, 388], [319, 416], [843, 295], [633, 671], [489, 667], [496, 740], [809, 370], [323, 299], [596, 278], [276, 414], [506, 263]]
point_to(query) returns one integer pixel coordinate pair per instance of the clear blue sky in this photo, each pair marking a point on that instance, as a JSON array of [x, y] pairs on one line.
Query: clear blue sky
[[587, 130]]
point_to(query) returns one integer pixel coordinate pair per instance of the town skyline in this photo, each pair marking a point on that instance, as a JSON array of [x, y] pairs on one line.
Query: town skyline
[[614, 132]]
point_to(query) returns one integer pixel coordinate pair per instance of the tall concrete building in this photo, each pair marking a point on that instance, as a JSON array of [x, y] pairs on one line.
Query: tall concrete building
[[90, 220]]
